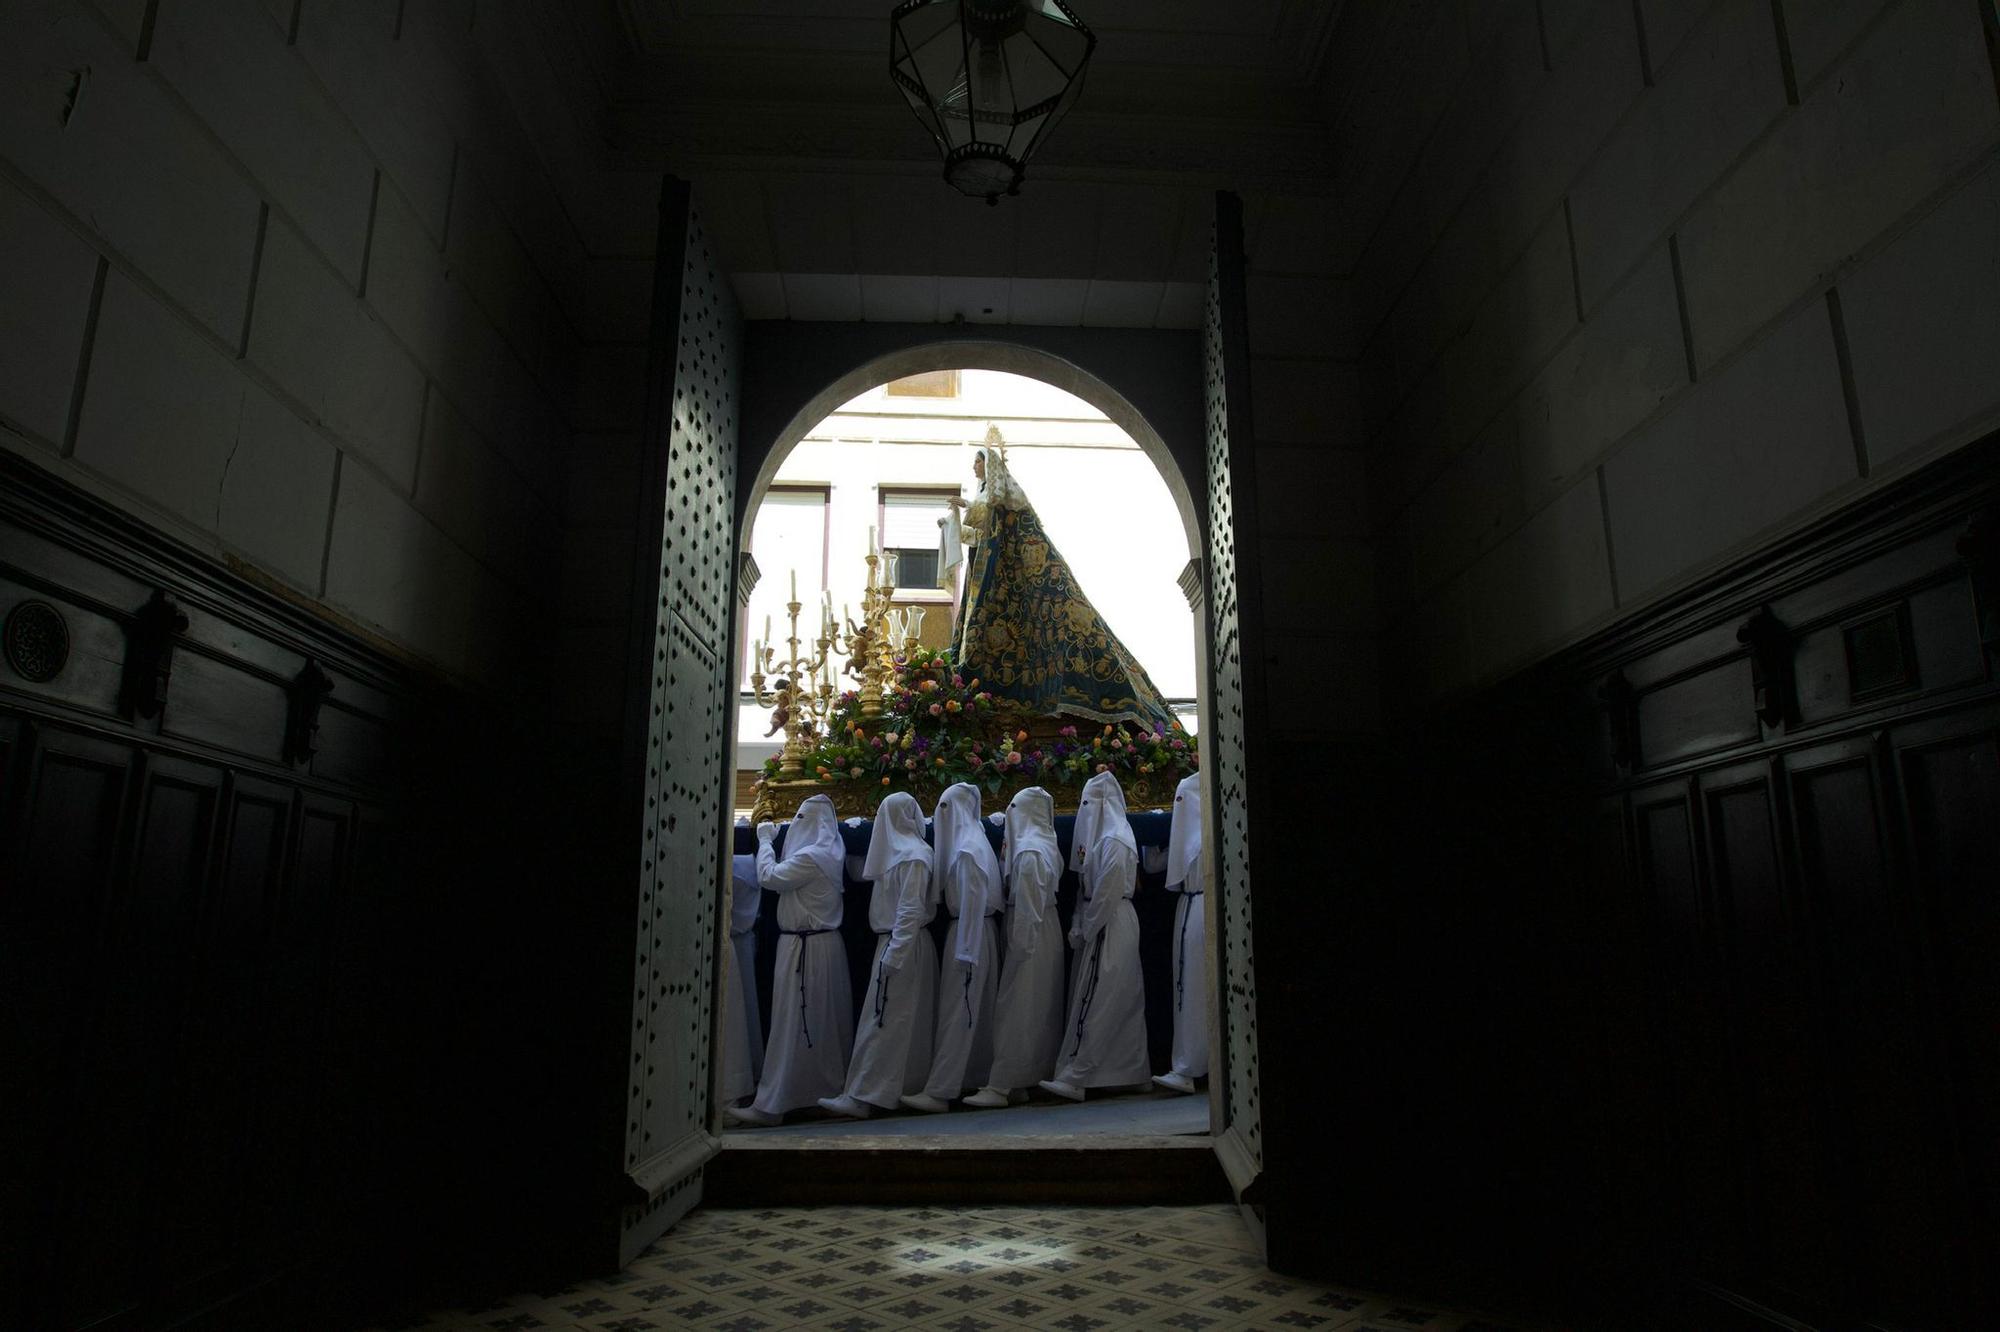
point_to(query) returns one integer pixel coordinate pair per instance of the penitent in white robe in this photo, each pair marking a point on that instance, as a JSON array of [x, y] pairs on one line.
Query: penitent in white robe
[[743, 1017], [1028, 1022], [1104, 1035], [969, 876], [892, 1047], [812, 1006], [1190, 973]]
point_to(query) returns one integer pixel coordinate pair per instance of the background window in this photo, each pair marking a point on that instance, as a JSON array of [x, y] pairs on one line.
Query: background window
[[910, 532], [790, 534], [931, 384]]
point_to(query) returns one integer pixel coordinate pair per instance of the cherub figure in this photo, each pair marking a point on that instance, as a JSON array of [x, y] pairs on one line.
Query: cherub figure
[[781, 715]]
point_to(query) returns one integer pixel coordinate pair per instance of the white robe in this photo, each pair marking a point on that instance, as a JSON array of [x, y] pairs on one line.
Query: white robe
[[1190, 972], [892, 1048], [1028, 1021], [812, 1006], [743, 1017], [1190, 986], [965, 993], [1104, 1035]]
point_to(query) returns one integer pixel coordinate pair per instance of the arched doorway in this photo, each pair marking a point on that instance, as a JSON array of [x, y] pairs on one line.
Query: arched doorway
[[722, 394], [893, 455], [1159, 371]]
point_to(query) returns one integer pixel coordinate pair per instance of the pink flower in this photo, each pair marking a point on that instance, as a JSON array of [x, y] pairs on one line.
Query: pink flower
[[937, 710], [911, 764], [1118, 744], [958, 680], [1013, 756]]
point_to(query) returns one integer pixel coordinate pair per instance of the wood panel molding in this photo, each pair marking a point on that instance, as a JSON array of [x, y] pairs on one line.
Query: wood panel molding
[[1702, 909]]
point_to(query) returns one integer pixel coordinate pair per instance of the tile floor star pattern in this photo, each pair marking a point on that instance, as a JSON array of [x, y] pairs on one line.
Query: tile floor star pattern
[[960, 1269]]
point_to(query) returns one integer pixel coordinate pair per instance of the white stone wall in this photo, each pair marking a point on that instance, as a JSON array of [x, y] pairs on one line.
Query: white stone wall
[[1634, 288], [313, 285]]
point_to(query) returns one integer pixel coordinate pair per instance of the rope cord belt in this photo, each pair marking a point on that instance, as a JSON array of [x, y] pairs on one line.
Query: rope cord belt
[[805, 1026], [969, 968], [1089, 989], [1180, 953], [881, 980]]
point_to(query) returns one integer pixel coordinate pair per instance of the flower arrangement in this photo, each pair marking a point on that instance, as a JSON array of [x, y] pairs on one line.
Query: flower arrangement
[[938, 727]]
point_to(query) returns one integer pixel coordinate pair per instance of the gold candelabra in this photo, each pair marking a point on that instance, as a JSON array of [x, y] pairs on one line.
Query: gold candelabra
[[869, 659], [803, 695]]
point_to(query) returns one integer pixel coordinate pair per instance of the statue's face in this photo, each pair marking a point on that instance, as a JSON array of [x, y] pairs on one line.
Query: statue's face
[[979, 465]]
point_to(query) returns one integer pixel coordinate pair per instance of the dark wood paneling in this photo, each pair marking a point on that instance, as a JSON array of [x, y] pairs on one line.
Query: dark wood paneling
[[1700, 714], [1787, 934], [1952, 787], [226, 705], [259, 1012], [1884, 1100]]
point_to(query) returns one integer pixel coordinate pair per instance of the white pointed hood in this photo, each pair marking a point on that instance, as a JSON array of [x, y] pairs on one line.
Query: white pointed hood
[[815, 834], [1100, 819], [1031, 830], [897, 837], [960, 836]]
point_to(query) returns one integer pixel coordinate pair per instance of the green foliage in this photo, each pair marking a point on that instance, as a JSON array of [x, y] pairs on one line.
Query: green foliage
[[938, 728]]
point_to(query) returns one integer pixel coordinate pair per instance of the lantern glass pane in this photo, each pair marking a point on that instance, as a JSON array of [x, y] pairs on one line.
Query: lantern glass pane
[[1022, 141], [939, 57], [1061, 44], [1035, 77]]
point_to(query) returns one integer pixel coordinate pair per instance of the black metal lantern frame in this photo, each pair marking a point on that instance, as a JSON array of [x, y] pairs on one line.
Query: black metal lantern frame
[[988, 79]]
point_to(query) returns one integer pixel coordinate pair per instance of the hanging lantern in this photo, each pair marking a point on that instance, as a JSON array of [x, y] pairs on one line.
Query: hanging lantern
[[988, 78]]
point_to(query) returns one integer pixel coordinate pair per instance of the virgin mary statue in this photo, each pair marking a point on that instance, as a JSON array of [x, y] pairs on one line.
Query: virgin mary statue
[[1024, 627]]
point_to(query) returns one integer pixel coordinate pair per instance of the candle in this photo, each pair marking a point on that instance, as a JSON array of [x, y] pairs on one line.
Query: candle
[[767, 629], [757, 655], [873, 549], [795, 585]]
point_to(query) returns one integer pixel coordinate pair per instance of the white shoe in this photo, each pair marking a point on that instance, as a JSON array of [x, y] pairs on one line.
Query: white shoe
[[751, 1115], [927, 1103], [988, 1098], [1062, 1089], [846, 1105], [1174, 1082]]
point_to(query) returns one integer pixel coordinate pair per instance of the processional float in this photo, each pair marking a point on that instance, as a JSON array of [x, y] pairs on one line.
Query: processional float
[[914, 719]]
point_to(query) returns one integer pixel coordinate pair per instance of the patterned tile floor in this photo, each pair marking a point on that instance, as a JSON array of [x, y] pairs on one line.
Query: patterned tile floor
[[970, 1269]]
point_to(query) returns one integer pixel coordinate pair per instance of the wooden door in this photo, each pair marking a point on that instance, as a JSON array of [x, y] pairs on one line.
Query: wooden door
[[1234, 604], [674, 779]]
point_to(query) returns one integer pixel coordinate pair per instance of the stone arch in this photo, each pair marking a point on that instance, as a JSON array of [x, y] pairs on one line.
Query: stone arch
[[963, 353]]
